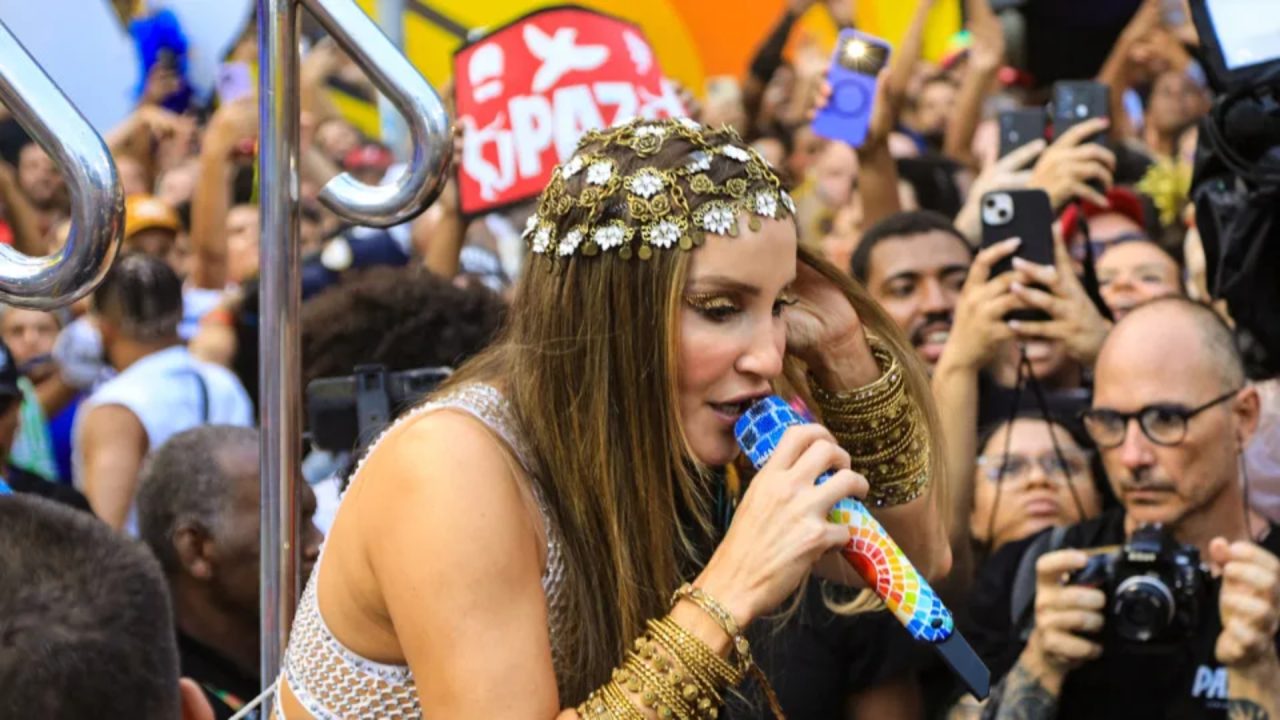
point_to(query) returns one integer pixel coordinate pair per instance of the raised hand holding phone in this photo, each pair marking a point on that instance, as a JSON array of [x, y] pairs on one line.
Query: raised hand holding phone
[[853, 80]]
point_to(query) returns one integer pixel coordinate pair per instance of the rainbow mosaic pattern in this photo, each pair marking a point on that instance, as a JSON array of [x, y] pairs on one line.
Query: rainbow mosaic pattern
[[871, 552]]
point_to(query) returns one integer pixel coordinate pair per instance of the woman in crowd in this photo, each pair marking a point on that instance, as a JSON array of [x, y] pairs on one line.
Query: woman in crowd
[[1136, 271], [1033, 474], [504, 547]]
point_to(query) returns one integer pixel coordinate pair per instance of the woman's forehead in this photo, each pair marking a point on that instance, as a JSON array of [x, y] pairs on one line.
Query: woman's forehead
[[764, 259]]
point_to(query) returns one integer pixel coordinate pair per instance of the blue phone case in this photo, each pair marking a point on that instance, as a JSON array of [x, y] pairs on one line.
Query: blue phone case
[[853, 89]]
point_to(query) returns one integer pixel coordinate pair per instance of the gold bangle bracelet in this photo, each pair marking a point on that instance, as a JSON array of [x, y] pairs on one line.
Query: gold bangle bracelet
[[722, 617], [711, 670], [655, 693], [620, 703]]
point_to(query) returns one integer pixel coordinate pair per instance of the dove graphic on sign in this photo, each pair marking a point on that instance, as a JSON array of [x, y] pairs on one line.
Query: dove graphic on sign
[[639, 50], [559, 55]]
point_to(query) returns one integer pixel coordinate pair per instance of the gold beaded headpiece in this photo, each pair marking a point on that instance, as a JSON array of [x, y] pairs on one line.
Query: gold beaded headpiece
[[653, 206]]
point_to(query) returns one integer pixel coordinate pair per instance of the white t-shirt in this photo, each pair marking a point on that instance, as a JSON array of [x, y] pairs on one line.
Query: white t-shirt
[[169, 392]]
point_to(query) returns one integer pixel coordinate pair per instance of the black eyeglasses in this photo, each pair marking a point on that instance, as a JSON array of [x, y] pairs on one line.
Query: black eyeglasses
[[1163, 424]]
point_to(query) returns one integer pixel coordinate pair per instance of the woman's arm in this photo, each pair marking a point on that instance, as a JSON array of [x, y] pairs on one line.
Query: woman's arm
[[877, 169], [457, 547], [985, 57], [212, 199], [457, 551]]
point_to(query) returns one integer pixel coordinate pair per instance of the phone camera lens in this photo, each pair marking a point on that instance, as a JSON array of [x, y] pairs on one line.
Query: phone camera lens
[[1082, 110]]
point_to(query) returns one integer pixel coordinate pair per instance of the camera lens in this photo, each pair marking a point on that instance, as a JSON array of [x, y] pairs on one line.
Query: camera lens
[[1143, 608]]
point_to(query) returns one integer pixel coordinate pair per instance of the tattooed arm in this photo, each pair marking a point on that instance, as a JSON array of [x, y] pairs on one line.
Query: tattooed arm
[[1023, 695], [1057, 645]]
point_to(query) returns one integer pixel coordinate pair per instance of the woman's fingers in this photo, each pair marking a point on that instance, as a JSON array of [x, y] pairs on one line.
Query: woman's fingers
[[820, 457]]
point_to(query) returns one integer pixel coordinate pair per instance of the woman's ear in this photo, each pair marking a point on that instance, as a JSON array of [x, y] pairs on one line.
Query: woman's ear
[[195, 706]]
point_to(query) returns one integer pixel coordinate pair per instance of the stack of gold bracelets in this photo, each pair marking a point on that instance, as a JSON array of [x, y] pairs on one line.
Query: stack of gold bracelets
[[675, 674], [882, 430]]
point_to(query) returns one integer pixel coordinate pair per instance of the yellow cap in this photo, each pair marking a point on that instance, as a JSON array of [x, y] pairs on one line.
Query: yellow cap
[[143, 212]]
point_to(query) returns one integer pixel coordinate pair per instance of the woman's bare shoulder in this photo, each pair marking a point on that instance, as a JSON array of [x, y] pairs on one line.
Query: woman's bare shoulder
[[445, 476]]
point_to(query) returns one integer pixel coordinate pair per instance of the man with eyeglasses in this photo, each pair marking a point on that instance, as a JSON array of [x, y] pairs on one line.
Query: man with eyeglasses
[[1171, 415]]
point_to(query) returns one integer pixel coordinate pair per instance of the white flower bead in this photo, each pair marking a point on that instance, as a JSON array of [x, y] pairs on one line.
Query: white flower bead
[[698, 162], [571, 168], [609, 237], [655, 130], [570, 242], [718, 220], [599, 172], [690, 123], [766, 204], [530, 226], [542, 240], [788, 203], [646, 184], [736, 153], [664, 234]]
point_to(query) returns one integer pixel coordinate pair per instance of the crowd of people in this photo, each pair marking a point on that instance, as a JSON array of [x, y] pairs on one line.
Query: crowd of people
[[496, 551]]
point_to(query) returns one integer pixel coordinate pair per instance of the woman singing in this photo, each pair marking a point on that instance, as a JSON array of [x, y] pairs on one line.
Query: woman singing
[[518, 546]]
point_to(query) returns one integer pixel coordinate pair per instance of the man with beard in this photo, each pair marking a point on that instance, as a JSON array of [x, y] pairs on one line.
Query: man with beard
[[41, 182], [914, 264]]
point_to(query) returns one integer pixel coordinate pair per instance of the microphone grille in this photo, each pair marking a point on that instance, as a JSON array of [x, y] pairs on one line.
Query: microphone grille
[[761, 427]]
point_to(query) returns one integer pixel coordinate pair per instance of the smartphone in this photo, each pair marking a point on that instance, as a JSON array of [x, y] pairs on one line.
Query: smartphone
[[1075, 101], [1173, 13], [235, 82], [1019, 127], [857, 60], [1024, 214]]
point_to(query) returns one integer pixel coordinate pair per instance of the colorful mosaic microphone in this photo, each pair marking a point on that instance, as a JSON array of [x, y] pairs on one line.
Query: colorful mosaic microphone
[[872, 553]]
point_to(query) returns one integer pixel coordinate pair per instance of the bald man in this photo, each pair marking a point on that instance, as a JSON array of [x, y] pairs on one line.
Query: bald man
[[1171, 414]]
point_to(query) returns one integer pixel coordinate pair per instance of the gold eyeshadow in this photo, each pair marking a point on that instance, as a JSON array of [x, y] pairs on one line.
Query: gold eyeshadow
[[708, 301]]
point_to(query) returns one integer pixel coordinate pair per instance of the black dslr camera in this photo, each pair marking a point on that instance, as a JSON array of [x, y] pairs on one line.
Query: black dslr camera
[[1155, 587]]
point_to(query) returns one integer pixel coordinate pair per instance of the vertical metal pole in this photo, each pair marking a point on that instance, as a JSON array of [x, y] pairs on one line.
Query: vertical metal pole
[[279, 397], [394, 133]]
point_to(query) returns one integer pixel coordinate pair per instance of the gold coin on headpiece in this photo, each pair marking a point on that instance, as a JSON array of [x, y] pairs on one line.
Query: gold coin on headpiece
[[645, 252], [625, 252], [590, 249], [754, 223], [686, 242], [699, 238]]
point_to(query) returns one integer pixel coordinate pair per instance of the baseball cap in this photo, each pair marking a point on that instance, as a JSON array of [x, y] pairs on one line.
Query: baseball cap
[[1123, 201], [145, 212], [9, 374], [370, 156]]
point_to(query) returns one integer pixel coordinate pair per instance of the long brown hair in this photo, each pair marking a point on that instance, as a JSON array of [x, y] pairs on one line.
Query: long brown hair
[[588, 361]]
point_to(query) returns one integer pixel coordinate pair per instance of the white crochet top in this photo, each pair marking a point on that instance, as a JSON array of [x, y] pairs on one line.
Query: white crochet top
[[333, 683]]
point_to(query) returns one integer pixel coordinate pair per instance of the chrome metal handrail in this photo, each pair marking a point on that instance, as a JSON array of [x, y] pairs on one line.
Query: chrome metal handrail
[[417, 101], [280, 396], [97, 201]]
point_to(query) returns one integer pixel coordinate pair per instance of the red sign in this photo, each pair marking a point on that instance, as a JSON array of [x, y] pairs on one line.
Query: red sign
[[526, 93]]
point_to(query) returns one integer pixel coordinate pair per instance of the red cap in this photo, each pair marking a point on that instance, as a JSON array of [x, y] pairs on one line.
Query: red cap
[[368, 157], [1123, 201]]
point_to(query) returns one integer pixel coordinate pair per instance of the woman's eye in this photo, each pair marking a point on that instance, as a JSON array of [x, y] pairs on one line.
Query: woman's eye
[[714, 308], [718, 313], [782, 302]]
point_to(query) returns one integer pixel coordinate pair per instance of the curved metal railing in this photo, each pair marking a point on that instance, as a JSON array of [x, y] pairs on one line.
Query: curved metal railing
[[280, 396], [417, 101], [97, 202]]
